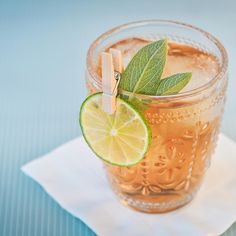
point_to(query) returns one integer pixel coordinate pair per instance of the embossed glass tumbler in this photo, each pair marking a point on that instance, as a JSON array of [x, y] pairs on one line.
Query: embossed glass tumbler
[[184, 126]]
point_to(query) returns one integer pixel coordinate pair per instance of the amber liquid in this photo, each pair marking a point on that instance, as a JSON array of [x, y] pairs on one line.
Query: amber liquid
[[184, 134]]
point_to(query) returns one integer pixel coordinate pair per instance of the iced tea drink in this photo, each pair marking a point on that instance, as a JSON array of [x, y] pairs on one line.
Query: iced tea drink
[[184, 127]]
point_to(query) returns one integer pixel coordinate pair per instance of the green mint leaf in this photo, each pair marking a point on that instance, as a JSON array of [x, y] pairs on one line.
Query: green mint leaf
[[173, 84], [144, 71]]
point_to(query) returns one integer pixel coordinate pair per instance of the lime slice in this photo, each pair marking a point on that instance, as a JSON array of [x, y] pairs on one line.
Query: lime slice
[[119, 139]]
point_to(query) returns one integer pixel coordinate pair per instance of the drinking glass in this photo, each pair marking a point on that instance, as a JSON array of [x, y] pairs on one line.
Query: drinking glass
[[184, 126]]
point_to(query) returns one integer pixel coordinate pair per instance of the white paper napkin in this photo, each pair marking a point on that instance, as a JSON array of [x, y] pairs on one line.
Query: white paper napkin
[[74, 177]]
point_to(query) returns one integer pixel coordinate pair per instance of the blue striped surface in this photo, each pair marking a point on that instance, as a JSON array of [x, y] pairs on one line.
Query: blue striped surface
[[43, 46]]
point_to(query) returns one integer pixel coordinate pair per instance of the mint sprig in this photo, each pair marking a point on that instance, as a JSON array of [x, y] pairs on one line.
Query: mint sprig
[[143, 73]]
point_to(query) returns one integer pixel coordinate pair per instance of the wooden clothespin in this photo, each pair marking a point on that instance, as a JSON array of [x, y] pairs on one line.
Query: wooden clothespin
[[112, 65], [117, 59]]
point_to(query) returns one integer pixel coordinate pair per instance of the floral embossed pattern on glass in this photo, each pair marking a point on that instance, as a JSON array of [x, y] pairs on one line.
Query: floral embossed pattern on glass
[[184, 126]]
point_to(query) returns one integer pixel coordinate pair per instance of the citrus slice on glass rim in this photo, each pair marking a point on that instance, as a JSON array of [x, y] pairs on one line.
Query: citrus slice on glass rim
[[120, 139]]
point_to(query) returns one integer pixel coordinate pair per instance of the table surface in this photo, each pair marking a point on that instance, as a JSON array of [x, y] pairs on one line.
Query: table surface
[[43, 47]]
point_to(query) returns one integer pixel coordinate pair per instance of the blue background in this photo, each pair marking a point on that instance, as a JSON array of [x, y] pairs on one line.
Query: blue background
[[43, 47]]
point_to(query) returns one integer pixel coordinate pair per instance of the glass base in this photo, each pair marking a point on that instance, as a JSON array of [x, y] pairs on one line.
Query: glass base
[[155, 207]]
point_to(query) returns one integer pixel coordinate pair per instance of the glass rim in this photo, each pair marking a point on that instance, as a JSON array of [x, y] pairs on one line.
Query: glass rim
[[223, 68]]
